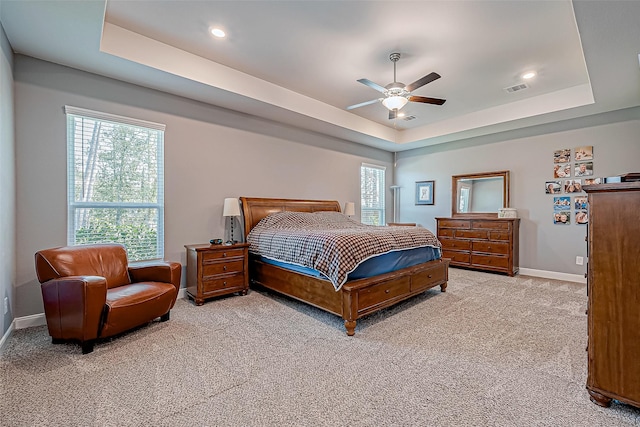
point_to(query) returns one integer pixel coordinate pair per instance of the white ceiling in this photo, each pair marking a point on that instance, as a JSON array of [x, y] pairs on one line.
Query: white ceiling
[[298, 62]]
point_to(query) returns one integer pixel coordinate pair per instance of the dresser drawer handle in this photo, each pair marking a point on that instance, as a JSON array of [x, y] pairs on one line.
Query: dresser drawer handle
[[224, 267], [224, 283], [224, 254], [387, 291], [429, 276]]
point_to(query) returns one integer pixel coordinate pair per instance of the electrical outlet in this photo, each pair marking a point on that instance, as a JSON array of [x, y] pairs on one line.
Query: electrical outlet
[[579, 260], [6, 305]]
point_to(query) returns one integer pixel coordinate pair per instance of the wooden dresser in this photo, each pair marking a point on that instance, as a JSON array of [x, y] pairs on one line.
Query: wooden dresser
[[613, 288], [490, 244]]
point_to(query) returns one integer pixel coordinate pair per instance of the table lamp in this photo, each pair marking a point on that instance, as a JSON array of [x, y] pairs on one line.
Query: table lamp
[[231, 209], [349, 208]]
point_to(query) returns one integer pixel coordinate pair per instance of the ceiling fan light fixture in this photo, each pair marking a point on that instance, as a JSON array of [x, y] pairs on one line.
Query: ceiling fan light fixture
[[395, 102]]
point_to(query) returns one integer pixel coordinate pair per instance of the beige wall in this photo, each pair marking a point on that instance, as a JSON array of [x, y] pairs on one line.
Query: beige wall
[[7, 185], [543, 246], [210, 154]]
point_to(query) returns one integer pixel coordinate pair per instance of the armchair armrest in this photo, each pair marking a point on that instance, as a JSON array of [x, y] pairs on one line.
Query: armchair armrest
[[73, 306], [167, 272]]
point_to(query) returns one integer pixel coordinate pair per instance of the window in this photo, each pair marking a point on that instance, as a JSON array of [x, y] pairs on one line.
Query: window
[[372, 194], [115, 181]]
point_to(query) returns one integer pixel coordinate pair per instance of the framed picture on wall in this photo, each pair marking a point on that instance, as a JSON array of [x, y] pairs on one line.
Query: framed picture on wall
[[425, 192]]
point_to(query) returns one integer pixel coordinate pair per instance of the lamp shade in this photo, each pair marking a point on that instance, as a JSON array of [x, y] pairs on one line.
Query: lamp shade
[[349, 208], [395, 102], [231, 207]]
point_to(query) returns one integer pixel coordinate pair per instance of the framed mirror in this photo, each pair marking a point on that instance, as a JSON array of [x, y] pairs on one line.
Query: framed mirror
[[480, 194]]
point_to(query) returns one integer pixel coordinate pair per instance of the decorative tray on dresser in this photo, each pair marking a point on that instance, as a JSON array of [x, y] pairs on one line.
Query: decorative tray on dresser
[[481, 243]]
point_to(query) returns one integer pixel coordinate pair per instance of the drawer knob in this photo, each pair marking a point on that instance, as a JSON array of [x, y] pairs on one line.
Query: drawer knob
[[429, 276], [224, 254], [224, 283], [224, 267], [387, 291]]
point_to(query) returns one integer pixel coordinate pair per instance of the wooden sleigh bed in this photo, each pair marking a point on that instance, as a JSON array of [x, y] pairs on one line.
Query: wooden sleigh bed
[[356, 298]]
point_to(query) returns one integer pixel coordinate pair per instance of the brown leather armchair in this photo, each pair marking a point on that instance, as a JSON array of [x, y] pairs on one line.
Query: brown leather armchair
[[91, 292]]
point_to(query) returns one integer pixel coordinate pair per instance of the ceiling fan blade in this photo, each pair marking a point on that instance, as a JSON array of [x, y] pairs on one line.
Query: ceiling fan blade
[[423, 81], [373, 85], [393, 114], [426, 100], [362, 104]]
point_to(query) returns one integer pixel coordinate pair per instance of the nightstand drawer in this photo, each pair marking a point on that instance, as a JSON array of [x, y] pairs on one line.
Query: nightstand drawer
[[223, 282], [222, 253], [222, 267]]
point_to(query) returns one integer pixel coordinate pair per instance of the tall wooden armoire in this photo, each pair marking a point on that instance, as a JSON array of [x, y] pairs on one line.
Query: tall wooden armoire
[[613, 288]]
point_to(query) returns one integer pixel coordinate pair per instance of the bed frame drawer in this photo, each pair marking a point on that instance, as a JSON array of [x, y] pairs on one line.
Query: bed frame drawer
[[383, 292], [427, 279]]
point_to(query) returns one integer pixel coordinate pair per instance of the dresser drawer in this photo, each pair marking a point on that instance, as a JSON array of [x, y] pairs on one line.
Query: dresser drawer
[[457, 257], [496, 225], [455, 244], [447, 232], [221, 254], [471, 234], [384, 291], [222, 267], [490, 261], [501, 248], [223, 282], [499, 235], [454, 223]]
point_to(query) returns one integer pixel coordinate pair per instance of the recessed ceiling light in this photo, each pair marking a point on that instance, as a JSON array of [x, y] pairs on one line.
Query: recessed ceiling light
[[218, 32], [529, 75]]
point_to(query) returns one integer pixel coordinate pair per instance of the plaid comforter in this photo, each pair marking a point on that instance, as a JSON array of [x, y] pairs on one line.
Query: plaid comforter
[[330, 242]]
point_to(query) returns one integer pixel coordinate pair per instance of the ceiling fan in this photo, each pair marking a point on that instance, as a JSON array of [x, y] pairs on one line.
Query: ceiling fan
[[396, 94]]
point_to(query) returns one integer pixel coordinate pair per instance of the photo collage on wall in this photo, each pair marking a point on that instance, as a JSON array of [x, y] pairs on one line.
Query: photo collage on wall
[[571, 170]]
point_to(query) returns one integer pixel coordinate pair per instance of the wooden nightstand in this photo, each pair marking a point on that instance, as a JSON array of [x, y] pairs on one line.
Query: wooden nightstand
[[214, 270]]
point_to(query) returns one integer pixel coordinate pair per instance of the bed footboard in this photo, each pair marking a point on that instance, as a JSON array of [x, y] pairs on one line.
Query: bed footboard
[[356, 298]]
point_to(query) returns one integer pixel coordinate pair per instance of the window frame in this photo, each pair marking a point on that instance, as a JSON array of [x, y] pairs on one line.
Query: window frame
[[364, 210], [73, 205]]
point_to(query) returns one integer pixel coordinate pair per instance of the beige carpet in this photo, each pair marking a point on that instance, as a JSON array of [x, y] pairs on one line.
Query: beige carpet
[[491, 351]]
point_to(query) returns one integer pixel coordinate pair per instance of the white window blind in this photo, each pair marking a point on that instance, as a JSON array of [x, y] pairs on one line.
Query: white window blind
[[372, 186], [115, 177]]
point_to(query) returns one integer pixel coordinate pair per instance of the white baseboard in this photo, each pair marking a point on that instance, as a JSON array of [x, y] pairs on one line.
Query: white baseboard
[[30, 321], [553, 275], [7, 334]]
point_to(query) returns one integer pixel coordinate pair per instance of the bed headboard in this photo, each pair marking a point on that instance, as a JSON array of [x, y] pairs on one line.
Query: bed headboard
[[254, 209]]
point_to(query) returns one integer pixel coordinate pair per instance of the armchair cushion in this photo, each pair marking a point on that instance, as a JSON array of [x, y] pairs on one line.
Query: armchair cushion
[[91, 292]]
